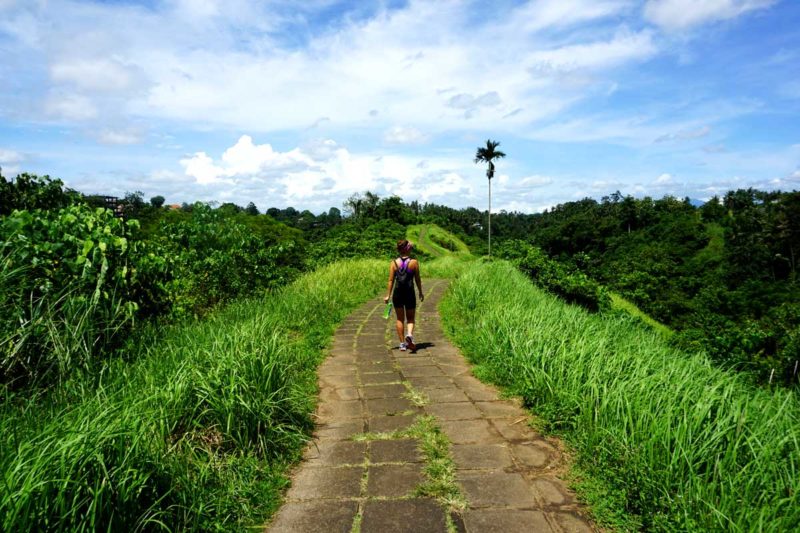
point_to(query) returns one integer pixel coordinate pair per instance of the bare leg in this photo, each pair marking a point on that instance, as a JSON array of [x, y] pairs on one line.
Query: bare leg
[[411, 313], [401, 315]]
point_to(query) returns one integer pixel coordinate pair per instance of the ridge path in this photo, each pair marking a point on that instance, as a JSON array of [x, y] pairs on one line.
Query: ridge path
[[349, 482]]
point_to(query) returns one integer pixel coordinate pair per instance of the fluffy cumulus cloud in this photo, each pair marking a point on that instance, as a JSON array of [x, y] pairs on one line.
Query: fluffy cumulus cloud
[[685, 14], [321, 174], [10, 161], [411, 87], [266, 66]]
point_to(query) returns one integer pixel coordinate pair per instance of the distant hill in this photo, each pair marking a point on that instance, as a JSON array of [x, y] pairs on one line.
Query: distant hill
[[433, 240]]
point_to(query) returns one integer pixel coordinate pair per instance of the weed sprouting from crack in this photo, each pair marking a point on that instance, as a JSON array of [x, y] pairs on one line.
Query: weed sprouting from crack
[[440, 469], [419, 399]]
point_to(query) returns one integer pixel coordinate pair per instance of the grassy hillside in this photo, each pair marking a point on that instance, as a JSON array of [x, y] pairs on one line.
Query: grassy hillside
[[435, 241], [677, 443], [193, 431]]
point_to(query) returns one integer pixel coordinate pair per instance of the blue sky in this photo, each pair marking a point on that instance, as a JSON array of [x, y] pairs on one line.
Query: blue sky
[[304, 103]]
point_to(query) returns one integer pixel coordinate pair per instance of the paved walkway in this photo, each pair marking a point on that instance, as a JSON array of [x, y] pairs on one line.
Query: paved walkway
[[506, 471]]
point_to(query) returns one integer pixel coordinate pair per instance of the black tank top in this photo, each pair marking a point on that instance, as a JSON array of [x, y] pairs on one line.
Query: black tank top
[[403, 276]]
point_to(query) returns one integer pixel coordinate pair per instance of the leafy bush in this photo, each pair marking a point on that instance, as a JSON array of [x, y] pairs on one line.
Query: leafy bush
[[574, 286], [214, 258], [354, 239], [29, 191], [71, 280]]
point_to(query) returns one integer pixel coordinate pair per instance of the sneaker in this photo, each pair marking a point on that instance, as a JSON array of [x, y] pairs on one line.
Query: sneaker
[[402, 347], [410, 343]]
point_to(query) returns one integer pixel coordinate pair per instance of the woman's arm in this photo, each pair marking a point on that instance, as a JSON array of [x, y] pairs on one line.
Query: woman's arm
[[390, 283], [419, 282]]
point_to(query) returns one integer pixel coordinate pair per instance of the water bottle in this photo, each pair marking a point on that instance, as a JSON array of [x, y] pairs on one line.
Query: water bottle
[[388, 310]]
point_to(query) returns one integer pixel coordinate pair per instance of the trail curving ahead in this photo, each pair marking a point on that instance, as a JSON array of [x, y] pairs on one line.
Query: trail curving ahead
[[369, 466]]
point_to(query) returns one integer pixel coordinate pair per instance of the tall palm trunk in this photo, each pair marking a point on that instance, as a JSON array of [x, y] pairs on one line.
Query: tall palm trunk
[[490, 218]]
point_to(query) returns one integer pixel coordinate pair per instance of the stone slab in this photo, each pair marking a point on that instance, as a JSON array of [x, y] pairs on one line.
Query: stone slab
[[339, 370], [403, 516], [532, 454], [470, 432], [422, 371], [389, 406], [385, 424], [450, 395], [454, 411], [375, 366], [552, 491], [479, 393], [505, 521], [514, 429], [394, 451], [430, 382], [394, 390], [339, 430], [328, 394], [338, 382], [496, 489], [393, 481], [481, 456], [326, 483], [572, 523], [334, 453], [500, 409], [308, 517], [340, 410]]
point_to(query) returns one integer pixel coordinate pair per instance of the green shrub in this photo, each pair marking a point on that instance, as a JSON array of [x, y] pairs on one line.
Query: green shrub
[[574, 286], [71, 281], [28, 192], [214, 258], [356, 239]]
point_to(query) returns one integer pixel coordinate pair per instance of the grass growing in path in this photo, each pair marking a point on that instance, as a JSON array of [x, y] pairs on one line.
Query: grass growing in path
[[680, 444], [193, 431], [440, 471]]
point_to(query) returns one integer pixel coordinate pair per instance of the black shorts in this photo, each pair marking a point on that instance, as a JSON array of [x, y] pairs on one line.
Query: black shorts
[[407, 299]]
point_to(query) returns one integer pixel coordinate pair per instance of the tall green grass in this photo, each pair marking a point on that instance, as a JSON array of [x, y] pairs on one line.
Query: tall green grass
[[192, 431], [681, 445], [435, 241]]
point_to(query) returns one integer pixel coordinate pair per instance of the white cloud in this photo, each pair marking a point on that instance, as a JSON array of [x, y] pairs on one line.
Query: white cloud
[[684, 14], [321, 174], [684, 135], [404, 135], [542, 14], [10, 156], [246, 65], [533, 181], [9, 162], [663, 179], [102, 75], [624, 47], [119, 137], [73, 107]]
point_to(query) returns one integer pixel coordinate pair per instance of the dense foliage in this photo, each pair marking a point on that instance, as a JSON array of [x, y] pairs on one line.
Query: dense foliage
[[724, 275], [571, 284], [193, 433], [72, 279]]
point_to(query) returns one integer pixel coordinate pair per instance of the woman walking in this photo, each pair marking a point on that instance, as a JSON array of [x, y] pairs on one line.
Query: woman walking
[[403, 272]]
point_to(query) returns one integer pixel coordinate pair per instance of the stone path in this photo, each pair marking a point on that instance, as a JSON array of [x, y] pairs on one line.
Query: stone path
[[348, 483]]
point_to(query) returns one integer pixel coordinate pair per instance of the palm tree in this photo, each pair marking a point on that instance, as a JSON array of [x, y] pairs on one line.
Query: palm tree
[[487, 154]]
